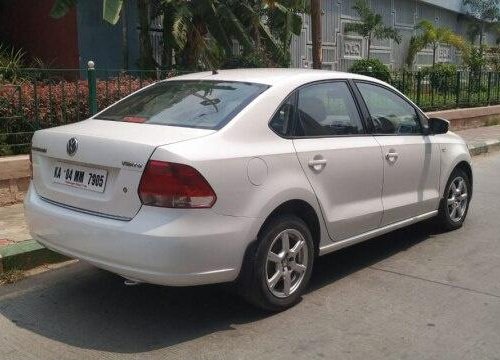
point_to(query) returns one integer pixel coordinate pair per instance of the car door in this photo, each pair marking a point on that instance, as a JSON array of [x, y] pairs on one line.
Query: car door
[[342, 162], [411, 157]]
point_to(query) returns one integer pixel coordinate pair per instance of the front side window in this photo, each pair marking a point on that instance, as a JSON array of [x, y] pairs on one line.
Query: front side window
[[390, 113], [327, 109], [188, 103]]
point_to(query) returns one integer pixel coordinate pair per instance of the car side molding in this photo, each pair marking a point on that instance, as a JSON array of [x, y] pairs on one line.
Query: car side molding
[[374, 233]]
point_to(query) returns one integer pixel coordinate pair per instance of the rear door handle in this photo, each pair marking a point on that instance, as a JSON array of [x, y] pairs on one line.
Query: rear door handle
[[317, 164], [392, 156]]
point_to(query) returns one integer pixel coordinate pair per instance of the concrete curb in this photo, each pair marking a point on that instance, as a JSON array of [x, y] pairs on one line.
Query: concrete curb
[[28, 254], [483, 147]]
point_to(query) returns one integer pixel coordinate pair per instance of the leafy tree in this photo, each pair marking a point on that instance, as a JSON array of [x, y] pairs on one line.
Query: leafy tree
[[432, 36], [110, 9], [371, 25], [485, 14]]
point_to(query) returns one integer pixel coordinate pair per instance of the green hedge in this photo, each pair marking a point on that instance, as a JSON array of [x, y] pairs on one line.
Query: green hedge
[[371, 67]]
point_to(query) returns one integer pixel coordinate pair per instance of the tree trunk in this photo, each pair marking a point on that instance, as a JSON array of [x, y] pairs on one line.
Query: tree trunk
[[369, 46], [481, 34], [434, 49], [256, 27], [191, 52], [256, 36], [316, 33], [166, 56], [146, 61], [124, 36]]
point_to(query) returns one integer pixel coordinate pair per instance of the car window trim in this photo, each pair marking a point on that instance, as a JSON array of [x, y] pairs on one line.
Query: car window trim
[[328, 81], [361, 100], [293, 93]]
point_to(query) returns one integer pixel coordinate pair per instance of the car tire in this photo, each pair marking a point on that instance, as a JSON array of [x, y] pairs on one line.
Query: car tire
[[274, 277], [454, 205]]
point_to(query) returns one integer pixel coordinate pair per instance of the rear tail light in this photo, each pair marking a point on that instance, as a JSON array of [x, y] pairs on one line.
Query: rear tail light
[[174, 185]]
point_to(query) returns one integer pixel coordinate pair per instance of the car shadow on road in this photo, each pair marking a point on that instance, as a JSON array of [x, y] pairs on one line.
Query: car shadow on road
[[91, 309]]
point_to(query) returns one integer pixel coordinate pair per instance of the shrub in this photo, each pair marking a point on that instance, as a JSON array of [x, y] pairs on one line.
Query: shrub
[[403, 80], [57, 102], [255, 59], [494, 58], [371, 67], [441, 76], [476, 59], [10, 62]]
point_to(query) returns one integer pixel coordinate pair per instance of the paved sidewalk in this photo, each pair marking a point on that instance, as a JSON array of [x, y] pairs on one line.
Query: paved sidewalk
[[482, 139], [12, 226], [15, 240]]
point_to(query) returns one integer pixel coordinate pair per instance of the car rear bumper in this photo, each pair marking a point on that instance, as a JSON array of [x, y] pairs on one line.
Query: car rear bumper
[[176, 247]]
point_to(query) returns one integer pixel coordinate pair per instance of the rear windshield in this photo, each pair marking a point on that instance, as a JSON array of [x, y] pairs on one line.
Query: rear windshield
[[188, 103]]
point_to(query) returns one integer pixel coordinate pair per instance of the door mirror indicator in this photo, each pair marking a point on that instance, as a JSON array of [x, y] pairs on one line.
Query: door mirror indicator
[[438, 125]]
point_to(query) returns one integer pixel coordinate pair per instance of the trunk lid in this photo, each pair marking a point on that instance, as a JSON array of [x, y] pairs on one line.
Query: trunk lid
[[113, 152]]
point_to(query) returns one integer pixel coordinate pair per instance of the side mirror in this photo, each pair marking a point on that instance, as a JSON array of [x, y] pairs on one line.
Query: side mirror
[[438, 126]]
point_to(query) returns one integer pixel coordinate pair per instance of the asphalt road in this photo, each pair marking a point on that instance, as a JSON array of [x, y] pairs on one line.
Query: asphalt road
[[414, 294]]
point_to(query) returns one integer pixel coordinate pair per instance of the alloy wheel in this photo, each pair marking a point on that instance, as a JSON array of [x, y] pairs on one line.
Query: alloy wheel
[[287, 262], [457, 199]]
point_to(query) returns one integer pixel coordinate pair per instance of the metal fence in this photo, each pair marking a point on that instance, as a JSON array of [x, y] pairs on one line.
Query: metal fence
[[439, 92], [34, 99]]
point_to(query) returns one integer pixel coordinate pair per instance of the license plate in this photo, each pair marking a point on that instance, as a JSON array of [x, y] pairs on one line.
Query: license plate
[[80, 176]]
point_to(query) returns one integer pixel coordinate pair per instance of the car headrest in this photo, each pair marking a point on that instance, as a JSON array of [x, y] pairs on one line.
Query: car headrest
[[313, 107]]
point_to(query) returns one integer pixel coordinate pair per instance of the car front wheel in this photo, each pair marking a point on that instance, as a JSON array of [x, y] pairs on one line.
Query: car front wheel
[[455, 203], [278, 271]]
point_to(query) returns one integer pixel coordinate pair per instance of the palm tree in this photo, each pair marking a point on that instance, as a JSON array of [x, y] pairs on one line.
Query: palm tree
[[285, 20], [316, 33], [432, 36], [371, 25], [211, 25], [272, 24], [201, 31]]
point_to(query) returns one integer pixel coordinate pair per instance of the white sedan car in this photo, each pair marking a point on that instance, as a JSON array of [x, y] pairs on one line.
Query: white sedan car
[[243, 176]]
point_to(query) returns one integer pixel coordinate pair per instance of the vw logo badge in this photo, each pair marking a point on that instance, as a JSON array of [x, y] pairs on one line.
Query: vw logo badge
[[72, 146]]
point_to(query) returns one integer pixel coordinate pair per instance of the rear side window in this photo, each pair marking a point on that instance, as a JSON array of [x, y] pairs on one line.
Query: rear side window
[[197, 104], [327, 109], [390, 113], [283, 118]]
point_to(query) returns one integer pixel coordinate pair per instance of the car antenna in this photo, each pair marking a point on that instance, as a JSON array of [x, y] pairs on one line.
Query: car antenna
[[214, 72]]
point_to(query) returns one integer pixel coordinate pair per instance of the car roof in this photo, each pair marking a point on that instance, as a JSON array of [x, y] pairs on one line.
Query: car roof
[[272, 76]]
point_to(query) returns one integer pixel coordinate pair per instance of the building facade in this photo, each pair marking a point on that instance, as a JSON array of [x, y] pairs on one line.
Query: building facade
[[340, 50]]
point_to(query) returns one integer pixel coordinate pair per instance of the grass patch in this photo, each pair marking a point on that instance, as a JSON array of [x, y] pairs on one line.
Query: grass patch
[[11, 276]]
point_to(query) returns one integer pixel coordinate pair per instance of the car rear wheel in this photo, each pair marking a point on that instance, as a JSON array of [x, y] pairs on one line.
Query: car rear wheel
[[455, 203], [278, 271]]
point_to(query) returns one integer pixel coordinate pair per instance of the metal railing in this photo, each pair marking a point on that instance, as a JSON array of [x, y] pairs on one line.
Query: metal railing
[[41, 98], [439, 92]]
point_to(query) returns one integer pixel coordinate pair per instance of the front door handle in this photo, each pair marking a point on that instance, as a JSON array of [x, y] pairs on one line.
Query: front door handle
[[317, 164], [392, 156]]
